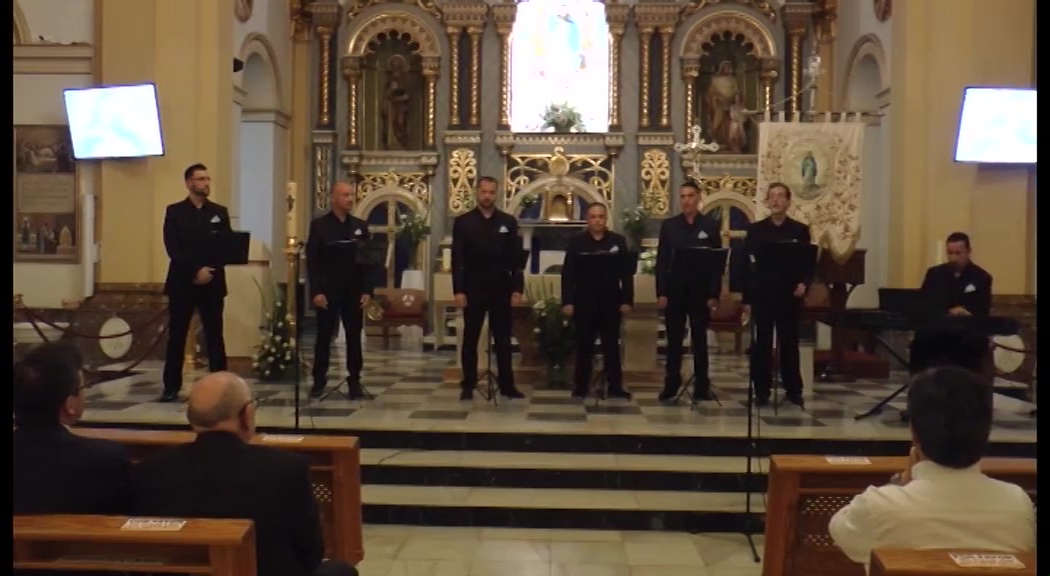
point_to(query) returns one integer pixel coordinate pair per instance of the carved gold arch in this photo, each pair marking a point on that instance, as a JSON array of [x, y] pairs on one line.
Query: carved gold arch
[[257, 43], [22, 34], [391, 192], [393, 20], [727, 19], [563, 184], [868, 45]]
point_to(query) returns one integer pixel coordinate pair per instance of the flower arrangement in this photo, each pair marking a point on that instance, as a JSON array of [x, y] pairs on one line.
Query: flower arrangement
[[635, 221], [412, 229], [529, 200], [562, 118], [648, 261], [554, 334], [275, 356]]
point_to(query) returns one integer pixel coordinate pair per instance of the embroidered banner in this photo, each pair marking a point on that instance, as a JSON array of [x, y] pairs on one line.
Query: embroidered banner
[[820, 161]]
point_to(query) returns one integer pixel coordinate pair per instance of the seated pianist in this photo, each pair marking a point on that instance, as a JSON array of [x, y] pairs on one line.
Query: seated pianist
[[964, 288]]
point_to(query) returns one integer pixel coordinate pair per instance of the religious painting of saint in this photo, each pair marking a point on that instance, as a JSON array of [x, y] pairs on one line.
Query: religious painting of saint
[[46, 203], [728, 87], [397, 104], [805, 164]]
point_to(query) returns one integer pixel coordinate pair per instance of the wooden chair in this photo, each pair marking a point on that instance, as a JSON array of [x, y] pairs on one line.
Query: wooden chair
[[805, 491], [940, 563], [401, 307], [335, 467], [728, 318], [79, 543]]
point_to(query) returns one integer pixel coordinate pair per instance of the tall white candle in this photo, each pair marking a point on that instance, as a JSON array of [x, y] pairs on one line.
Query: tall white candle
[[292, 198]]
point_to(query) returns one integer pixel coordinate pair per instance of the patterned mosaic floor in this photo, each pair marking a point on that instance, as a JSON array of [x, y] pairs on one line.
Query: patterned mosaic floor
[[410, 394]]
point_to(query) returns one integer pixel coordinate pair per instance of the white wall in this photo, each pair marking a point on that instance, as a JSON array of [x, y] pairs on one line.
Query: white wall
[[856, 18], [61, 21]]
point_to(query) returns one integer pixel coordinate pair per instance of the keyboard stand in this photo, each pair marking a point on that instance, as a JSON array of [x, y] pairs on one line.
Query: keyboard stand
[[877, 409]]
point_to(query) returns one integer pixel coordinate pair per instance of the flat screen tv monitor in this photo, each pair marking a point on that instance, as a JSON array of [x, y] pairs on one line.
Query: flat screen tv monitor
[[114, 122], [997, 126]]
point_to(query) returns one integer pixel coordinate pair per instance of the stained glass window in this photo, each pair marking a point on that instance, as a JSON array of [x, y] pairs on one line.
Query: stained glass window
[[559, 55]]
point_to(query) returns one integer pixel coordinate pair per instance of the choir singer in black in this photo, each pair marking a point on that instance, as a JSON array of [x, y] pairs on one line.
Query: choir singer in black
[[679, 298], [596, 300], [772, 302], [340, 287], [486, 280], [195, 280]]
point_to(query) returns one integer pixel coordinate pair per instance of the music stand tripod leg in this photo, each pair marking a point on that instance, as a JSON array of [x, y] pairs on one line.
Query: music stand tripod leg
[[598, 385], [491, 391], [752, 449], [876, 409]]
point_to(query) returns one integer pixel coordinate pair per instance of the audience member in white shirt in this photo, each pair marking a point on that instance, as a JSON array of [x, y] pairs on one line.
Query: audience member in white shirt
[[941, 500]]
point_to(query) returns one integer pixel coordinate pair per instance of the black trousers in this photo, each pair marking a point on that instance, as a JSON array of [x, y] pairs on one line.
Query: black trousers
[[601, 321], [495, 303], [209, 303], [348, 309], [678, 309], [783, 317]]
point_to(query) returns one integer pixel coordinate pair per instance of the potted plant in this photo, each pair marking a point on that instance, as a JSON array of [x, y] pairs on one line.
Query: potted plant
[[635, 222], [412, 230], [275, 356], [554, 336], [562, 118]]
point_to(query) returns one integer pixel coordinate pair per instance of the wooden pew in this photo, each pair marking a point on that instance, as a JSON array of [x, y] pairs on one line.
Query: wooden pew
[[217, 547], [805, 491], [335, 465], [940, 563]]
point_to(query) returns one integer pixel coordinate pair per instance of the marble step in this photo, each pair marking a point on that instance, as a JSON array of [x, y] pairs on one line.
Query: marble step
[[561, 461], [562, 508]]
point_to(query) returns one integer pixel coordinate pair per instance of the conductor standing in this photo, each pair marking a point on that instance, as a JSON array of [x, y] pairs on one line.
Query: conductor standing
[[486, 280], [596, 302], [679, 298], [340, 288], [775, 302], [196, 281]]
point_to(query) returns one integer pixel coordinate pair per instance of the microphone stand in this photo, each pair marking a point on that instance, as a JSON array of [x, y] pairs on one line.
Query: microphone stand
[[292, 251], [753, 436]]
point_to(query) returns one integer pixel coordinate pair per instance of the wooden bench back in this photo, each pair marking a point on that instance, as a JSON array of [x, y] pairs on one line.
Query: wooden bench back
[[79, 543], [895, 562], [805, 491], [335, 468]]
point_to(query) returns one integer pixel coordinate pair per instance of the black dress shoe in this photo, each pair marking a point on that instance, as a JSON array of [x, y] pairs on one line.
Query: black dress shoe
[[466, 394], [797, 400], [511, 393], [702, 394], [619, 393], [762, 401], [317, 390], [668, 393], [169, 397], [580, 393]]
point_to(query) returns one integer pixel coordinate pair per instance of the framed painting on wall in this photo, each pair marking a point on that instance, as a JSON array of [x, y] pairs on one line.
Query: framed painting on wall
[[46, 199]]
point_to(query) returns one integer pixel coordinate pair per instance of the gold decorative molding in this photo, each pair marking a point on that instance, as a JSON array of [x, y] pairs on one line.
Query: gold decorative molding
[[352, 74], [616, 15], [727, 20], [594, 170], [690, 73], [299, 16], [654, 18], [655, 173], [322, 174], [325, 17], [462, 179], [458, 16], [666, 33], [416, 183], [392, 20], [503, 15], [744, 187], [54, 59], [645, 36], [474, 32], [454, 34], [767, 9], [797, 19], [356, 6], [430, 75], [768, 76]]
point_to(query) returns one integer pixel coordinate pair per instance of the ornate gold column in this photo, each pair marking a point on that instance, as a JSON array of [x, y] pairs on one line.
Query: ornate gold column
[[645, 38], [616, 16], [352, 74], [666, 32], [825, 22], [690, 72], [454, 33], [768, 76], [430, 74], [475, 75], [325, 17], [796, 21], [503, 16]]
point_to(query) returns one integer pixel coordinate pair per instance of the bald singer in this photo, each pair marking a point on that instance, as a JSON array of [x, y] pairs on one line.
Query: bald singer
[[222, 475]]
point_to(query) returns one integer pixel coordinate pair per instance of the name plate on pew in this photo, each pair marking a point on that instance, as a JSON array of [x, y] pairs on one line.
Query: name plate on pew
[[987, 561], [848, 460], [154, 524], [280, 439]]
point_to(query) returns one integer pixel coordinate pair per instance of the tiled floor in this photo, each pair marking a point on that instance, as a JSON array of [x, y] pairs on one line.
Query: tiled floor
[[423, 551], [410, 394]]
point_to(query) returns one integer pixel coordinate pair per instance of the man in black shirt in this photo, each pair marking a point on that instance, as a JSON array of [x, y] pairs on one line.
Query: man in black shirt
[[196, 280], [486, 279], [962, 287], [340, 287], [597, 299], [776, 301], [679, 297]]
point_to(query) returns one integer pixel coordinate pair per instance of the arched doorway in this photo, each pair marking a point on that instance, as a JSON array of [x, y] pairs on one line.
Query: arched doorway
[[733, 218], [383, 220]]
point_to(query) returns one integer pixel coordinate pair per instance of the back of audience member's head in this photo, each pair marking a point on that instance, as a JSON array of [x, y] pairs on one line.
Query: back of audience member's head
[[222, 402], [935, 348], [47, 386], [951, 415]]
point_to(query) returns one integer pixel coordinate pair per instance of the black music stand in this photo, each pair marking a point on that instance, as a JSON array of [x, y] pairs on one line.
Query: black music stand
[[509, 262], [599, 270], [229, 248], [366, 254], [697, 266]]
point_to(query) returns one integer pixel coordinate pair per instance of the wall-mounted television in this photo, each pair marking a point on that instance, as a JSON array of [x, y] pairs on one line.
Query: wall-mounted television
[[997, 126], [114, 122]]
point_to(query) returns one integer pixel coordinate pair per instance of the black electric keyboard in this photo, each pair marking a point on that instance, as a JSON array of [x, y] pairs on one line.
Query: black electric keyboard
[[879, 320]]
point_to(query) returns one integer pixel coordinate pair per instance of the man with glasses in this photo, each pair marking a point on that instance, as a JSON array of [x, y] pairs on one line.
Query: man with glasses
[[222, 475], [193, 282], [56, 471]]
